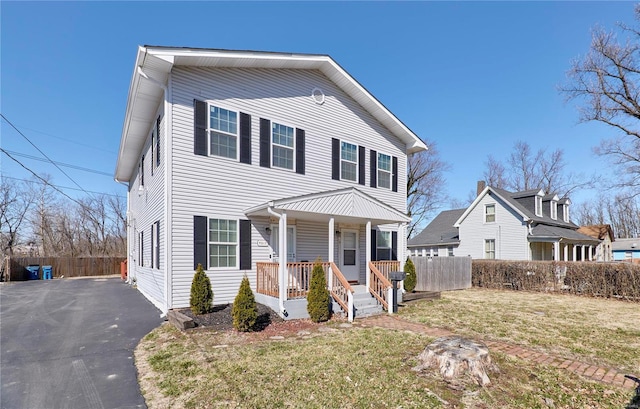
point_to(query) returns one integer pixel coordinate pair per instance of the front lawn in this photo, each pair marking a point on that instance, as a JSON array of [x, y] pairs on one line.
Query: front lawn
[[328, 366]]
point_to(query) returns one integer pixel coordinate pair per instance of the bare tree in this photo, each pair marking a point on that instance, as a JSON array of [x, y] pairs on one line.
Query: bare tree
[[525, 169], [15, 202], [605, 82], [425, 178], [622, 213]]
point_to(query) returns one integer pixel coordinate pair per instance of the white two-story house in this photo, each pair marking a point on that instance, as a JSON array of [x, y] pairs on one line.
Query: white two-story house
[[257, 164]]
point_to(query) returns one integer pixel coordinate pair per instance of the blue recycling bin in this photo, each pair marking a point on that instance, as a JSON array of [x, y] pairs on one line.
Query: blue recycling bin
[[34, 272], [47, 272]]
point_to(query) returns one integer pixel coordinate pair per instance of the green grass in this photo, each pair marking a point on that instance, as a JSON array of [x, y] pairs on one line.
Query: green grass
[[601, 331], [355, 368]]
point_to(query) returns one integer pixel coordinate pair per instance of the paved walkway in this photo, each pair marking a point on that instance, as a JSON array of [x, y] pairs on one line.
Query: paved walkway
[[597, 373]]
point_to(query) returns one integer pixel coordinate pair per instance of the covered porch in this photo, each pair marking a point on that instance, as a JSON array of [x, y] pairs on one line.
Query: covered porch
[[358, 230], [561, 244]]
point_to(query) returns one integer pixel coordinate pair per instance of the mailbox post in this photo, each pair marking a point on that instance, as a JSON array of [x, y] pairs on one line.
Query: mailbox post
[[395, 277]]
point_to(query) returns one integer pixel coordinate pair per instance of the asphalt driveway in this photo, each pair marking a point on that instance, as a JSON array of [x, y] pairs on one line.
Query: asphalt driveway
[[68, 343]]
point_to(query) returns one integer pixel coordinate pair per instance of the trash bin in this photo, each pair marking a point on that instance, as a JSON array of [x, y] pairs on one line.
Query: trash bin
[[47, 272], [34, 272]]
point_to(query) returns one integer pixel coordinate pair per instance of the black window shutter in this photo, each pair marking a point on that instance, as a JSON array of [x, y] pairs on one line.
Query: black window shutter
[[142, 248], [200, 127], [158, 140], [394, 245], [335, 159], [245, 138], [394, 169], [374, 246], [158, 244], [361, 165], [142, 171], [200, 242], [245, 245], [300, 151], [374, 168], [151, 252], [265, 143]]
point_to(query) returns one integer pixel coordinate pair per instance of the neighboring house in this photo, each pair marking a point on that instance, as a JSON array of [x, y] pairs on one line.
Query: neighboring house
[[604, 233], [439, 238], [626, 249], [528, 225], [223, 151]]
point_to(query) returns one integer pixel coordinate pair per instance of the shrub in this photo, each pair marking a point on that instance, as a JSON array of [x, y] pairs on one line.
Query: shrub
[[318, 295], [201, 294], [410, 280], [244, 311]]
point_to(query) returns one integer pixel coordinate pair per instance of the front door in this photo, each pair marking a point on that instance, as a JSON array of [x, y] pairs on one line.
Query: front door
[[349, 258], [291, 243]]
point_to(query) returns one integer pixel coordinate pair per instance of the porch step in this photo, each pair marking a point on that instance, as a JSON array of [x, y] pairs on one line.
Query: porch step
[[364, 303]]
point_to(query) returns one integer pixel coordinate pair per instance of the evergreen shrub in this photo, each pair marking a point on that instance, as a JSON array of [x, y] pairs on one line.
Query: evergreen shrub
[[245, 310], [201, 294], [318, 295]]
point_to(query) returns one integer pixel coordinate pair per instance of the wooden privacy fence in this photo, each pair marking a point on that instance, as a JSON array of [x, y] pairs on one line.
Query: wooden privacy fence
[[15, 268], [442, 273]]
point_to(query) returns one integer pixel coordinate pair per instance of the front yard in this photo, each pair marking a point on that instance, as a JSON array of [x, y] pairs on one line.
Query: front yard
[[340, 366]]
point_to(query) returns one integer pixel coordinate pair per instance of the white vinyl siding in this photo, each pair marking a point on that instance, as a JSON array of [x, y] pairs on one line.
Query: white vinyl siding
[[509, 232], [146, 207], [202, 183]]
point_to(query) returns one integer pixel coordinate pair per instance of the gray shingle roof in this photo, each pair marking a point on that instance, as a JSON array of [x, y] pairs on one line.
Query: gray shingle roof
[[632, 244], [440, 231], [542, 231], [511, 198]]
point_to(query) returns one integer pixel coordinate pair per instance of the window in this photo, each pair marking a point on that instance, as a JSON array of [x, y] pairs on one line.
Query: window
[[566, 212], [384, 170], [155, 245], [490, 249], [450, 251], [628, 255], [348, 161], [141, 248], [223, 243], [490, 213], [158, 141], [383, 245], [142, 171], [223, 132], [554, 209], [538, 206], [282, 146]]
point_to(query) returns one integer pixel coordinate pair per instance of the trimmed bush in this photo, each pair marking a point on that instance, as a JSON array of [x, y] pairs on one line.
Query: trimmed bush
[[201, 294], [410, 280], [244, 311], [318, 295]]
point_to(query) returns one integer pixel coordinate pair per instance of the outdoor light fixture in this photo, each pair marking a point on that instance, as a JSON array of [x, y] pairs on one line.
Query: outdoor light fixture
[[268, 230]]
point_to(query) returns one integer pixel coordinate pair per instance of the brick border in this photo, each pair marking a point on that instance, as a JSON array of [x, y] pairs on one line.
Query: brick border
[[610, 376]]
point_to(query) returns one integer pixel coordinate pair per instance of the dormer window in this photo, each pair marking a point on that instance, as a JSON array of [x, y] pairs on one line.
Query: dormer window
[[538, 205], [554, 209], [566, 212]]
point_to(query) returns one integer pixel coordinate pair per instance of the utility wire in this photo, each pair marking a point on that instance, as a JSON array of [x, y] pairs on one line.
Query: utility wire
[[24, 155], [67, 140], [43, 154], [62, 187]]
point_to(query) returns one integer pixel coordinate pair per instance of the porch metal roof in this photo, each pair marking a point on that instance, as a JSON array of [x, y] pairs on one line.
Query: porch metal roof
[[345, 205]]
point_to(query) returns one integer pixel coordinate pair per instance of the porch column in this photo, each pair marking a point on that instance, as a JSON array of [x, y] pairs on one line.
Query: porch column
[[367, 253], [590, 253], [332, 236], [575, 253], [582, 253], [566, 252], [556, 251], [402, 245], [282, 256]]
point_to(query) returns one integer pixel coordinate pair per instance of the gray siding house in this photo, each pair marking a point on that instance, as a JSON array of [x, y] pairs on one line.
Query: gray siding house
[[256, 164], [527, 225]]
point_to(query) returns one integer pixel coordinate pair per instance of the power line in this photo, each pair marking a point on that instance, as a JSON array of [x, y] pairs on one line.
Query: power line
[[24, 155], [43, 154], [69, 140], [63, 187]]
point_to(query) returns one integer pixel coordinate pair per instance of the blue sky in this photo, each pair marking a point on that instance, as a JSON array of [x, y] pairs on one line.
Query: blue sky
[[472, 76]]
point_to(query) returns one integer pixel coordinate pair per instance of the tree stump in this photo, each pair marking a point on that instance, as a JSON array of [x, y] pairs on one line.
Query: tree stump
[[455, 356]]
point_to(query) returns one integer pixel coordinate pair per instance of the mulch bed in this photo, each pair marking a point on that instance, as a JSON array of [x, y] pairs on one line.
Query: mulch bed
[[220, 317]]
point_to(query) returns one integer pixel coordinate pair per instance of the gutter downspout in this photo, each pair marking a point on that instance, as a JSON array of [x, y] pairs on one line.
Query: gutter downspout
[[282, 266], [129, 264]]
